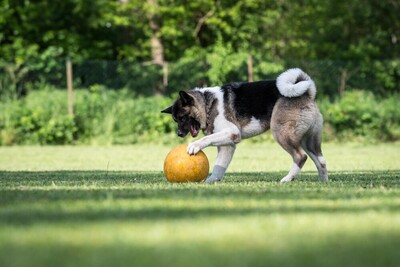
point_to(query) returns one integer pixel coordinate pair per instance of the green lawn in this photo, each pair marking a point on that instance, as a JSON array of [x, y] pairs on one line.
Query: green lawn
[[111, 206], [248, 157]]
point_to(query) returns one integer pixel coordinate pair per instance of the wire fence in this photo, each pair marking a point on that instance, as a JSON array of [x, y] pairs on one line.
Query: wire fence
[[333, 77]]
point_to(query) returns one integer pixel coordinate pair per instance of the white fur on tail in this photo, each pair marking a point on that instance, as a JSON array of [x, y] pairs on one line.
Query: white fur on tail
[[295, 82]]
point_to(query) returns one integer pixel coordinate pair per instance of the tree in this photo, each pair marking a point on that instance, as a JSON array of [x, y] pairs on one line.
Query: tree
[[275, 33]]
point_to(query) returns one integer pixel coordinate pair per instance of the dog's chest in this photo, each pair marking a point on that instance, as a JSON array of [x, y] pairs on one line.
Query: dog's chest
[[245, 108]]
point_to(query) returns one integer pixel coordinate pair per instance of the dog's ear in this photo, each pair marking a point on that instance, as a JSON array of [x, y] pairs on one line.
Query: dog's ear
[[186, 99], [168, 110]]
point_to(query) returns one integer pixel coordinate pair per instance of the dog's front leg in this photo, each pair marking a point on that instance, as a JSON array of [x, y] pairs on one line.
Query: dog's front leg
[[226, 141], [225, 154], [224, 138]]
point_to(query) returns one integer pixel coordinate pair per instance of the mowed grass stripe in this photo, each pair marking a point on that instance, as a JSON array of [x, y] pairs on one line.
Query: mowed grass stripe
[[129, 218]]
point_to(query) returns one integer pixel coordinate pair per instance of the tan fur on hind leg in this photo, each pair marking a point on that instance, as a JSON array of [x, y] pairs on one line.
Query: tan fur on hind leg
[[299, 158]]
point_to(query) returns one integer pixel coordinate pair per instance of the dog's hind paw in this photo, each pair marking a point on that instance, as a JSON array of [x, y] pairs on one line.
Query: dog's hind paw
[[287, 179]]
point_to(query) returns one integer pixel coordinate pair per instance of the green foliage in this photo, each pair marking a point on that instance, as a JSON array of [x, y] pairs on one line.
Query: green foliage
[[226, 65], [189, 71], [35, 121], [206, 42], [387, 75], [119, 117], [101, 116], [361, 114], [58, 131]]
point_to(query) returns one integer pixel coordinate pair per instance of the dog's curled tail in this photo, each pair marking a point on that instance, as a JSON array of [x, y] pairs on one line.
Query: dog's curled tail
[[294, 83]]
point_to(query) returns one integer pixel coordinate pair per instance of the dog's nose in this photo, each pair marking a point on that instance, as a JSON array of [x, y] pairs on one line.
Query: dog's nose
[[180, 133]]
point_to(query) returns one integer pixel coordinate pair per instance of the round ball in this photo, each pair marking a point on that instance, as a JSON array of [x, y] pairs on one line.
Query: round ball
[[179, 166]]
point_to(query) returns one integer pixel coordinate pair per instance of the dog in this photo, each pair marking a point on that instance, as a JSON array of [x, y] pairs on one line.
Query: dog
[[227, 114]]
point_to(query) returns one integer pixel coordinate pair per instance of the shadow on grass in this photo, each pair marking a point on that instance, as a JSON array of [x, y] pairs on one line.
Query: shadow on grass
[[36, 197], [34, 216], [328, 250]]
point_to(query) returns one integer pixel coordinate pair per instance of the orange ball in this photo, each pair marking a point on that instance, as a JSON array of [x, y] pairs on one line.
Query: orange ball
[[179, 166]]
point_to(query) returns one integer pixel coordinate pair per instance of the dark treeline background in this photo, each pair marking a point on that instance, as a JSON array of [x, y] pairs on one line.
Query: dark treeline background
[[126, 53], [127, 29], [205, 42]]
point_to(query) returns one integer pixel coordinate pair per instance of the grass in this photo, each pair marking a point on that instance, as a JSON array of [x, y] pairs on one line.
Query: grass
[[248, 157], [111, 206]]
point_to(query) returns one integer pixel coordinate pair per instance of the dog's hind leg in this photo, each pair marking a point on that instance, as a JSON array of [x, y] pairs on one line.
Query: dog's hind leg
[[299, 158], [289, 137], [225, 154], [318, 158], [311, 143]]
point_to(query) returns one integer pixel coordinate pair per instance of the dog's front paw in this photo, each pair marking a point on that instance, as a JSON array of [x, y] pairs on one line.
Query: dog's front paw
[[217, 175], [213, 179], [194, 148]]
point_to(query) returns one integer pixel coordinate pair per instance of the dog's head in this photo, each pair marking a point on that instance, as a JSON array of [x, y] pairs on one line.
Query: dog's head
[[186, 111]]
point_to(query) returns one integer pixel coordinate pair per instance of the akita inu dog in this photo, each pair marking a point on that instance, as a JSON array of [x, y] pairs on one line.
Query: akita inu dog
[[227, 114]]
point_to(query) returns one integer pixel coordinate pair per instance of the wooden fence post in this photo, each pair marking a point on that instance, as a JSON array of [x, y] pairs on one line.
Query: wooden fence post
[[165, 74], [250, 71], [70, 88]]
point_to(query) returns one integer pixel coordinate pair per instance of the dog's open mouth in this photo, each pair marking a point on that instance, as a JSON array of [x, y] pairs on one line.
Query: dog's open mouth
[[194, 128]]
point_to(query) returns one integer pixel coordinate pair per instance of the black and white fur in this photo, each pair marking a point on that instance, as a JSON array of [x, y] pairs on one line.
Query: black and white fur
[[227, 114]]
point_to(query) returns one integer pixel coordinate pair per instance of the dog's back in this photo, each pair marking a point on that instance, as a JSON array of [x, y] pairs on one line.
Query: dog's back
[[252, 99]]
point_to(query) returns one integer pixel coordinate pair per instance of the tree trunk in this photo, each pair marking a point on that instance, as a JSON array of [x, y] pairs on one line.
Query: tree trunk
[[343, 81], [157, 48]]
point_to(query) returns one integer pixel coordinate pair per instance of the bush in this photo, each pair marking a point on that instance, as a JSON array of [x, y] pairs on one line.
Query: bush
[[361, 114], [101, 116], [118, 117], [40, 118]]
